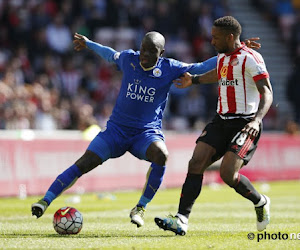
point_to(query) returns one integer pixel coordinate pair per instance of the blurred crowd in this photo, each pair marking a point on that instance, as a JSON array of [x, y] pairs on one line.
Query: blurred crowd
[[45, 84], [285, 14]]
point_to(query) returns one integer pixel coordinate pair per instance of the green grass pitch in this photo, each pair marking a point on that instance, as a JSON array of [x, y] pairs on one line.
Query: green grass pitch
[[221, 219]]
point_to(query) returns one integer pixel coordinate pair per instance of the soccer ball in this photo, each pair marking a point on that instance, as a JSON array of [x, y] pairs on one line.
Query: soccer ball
[[67, 220]]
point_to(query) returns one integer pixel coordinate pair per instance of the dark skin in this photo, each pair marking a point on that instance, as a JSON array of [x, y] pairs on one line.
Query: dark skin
[[225, 42], [152, 48]]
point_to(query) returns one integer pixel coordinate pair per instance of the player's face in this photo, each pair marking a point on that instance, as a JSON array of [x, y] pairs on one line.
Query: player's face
[[220, 40], [149, 53]]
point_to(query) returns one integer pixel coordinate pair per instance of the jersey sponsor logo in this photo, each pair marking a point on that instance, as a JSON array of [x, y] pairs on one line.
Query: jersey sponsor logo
[[157, 72], [141, 93], [224, 82], [116, 55], [224, 71]]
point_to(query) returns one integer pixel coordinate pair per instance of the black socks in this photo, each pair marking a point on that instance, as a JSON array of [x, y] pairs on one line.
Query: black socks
[[244, 187], [190, 191]]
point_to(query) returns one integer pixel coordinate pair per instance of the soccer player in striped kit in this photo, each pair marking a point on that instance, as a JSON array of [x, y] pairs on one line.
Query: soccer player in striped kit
[[245, 96]]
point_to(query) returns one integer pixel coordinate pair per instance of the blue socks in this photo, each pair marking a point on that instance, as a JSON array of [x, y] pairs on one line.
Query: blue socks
[[62, 182], [155, 176], [70, 175]]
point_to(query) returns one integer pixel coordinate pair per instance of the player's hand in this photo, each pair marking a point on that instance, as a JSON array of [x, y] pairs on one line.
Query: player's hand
[[251, 43], [252, 128], [184, 81], [79, 42]]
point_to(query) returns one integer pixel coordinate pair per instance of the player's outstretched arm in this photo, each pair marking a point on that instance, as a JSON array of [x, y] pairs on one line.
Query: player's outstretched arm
[[187, 79], [82, 42], [251, 43], [184, 81]]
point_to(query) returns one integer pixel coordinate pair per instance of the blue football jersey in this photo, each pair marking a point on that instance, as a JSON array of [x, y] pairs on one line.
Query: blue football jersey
[[143, 94]]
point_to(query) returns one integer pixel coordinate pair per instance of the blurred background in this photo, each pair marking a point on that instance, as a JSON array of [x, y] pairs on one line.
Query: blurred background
[[46, 85], [50, 94]]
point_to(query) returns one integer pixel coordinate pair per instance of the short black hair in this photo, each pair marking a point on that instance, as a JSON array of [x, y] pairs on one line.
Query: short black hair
[[229, 24]]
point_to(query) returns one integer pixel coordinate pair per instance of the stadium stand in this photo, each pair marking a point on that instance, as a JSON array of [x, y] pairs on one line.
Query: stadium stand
[[46, 85]]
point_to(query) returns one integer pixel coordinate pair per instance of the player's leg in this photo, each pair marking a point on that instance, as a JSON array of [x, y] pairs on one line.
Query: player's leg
[[157, 153], [229, 172], [97, 152], [202, 158], [150, 146], [65, 180], [209, 148], [241, 151]]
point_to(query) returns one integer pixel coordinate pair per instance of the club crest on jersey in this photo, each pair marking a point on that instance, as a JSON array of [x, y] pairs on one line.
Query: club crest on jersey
[[224, 71], [234, 62], [157, 72]]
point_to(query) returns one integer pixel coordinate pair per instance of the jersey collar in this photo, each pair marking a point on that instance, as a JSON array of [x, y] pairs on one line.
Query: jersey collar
[[147, 69], [236, 50], [155, 65]]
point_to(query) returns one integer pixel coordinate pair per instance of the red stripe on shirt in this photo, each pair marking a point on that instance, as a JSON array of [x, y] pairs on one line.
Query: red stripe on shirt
[[250, 51], [244, 82], [231, 89], [220, 101], [220, 65]]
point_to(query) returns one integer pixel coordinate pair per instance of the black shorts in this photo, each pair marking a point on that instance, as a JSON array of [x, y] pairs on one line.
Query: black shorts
[[225, 135]]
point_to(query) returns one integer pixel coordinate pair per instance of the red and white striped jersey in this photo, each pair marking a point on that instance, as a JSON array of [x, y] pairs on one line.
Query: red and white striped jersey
[[237, 74]]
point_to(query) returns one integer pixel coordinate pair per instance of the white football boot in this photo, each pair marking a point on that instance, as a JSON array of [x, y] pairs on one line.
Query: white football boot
[[137, 216], [263, 215]]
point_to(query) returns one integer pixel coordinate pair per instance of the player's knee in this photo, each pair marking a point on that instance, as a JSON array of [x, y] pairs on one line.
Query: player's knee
[[228, 177], [161, 158], [195, 166], [88, 161]]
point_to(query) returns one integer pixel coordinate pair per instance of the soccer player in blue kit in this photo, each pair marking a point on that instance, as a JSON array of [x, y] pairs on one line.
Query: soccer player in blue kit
[[136, 121]]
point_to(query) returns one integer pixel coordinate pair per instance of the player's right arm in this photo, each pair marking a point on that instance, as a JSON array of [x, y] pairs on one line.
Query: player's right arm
[[82, 42], [187, 79]]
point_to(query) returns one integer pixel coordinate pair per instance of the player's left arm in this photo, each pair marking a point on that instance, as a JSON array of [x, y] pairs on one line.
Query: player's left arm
[[82, 42], [187, 79], [266, 98]]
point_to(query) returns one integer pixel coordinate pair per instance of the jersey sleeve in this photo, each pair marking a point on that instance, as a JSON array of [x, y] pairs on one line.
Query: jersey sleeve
[[120, 58], [203, 67], [256, 67], [107, 53]]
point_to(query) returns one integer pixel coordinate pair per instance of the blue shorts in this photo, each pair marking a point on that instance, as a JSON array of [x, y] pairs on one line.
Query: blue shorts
[[116, 140]]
